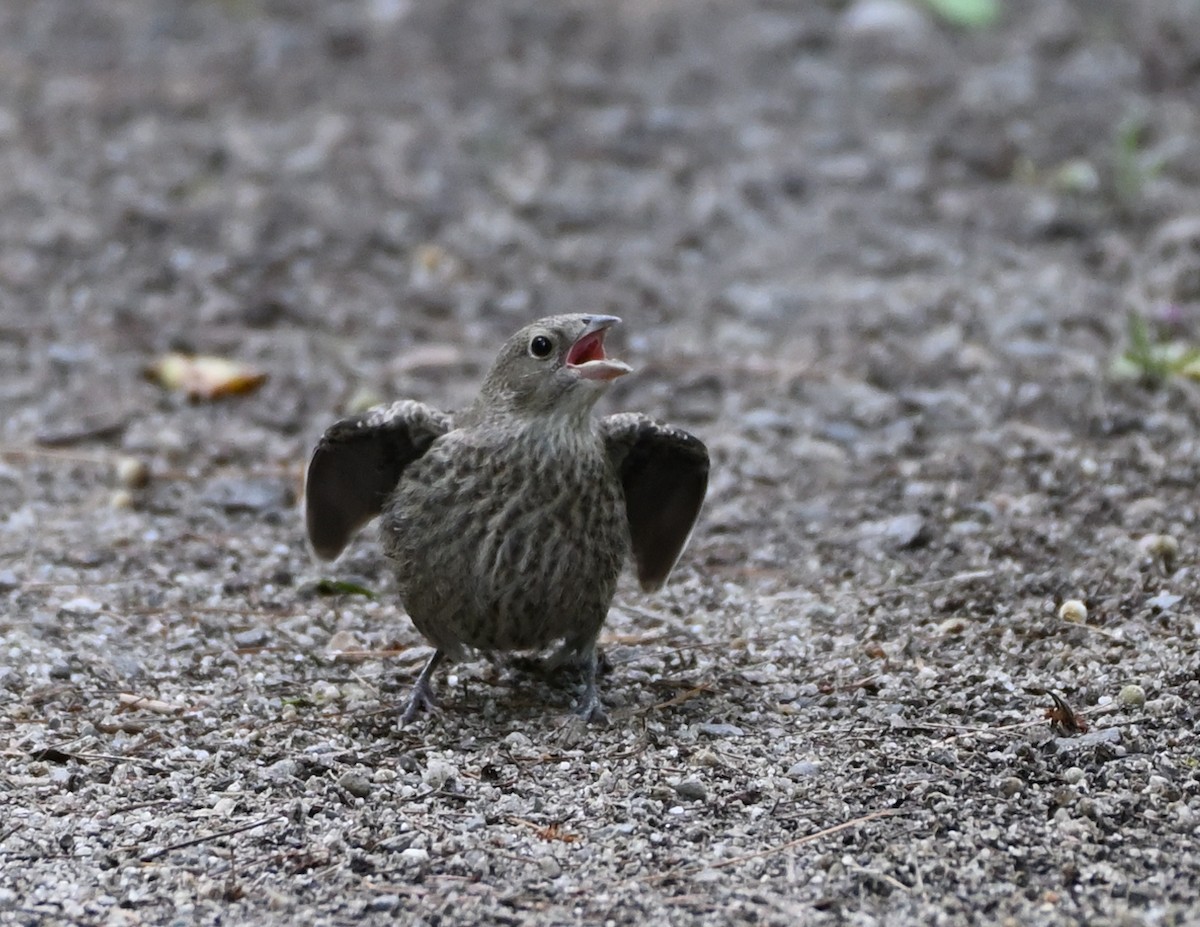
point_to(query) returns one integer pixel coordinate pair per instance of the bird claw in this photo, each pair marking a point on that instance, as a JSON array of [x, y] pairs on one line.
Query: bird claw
[[421, 700], [590, 711]]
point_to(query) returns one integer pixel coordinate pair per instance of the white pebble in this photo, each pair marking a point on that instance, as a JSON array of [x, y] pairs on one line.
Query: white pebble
[[1161, 546], [1073, 610], [438, 773], [131, 472], [1132, 696]]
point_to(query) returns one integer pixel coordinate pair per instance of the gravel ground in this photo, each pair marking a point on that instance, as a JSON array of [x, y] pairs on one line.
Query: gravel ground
[[880, 264]]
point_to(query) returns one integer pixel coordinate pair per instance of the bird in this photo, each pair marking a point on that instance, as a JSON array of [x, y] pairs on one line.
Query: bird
[[509, 522]]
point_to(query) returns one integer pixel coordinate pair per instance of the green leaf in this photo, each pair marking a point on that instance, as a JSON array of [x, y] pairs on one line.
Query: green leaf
[[341, 587], [970, 14]]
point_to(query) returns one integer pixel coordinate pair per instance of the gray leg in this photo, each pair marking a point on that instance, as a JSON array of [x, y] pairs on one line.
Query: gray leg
[[590, 709], [568, 654], [422, 697]]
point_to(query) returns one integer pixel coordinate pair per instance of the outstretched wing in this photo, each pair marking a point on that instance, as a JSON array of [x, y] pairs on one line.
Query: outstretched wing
[[664, 472], [357, 464]]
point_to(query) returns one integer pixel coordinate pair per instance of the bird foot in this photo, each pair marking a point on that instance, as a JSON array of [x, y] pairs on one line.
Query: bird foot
[[590, 708], [422, 698], [591, 711], [574, 728]]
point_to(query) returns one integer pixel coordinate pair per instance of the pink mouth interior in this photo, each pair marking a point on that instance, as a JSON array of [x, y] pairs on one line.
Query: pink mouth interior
[[588, 348]]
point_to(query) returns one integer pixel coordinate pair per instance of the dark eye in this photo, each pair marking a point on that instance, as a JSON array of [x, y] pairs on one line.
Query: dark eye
[[540, 346]]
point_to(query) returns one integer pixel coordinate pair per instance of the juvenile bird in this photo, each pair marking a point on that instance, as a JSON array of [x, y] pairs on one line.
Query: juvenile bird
[[508, 523]]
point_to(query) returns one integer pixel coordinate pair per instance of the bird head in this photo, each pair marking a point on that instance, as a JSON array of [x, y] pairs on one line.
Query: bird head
[[555, 364]]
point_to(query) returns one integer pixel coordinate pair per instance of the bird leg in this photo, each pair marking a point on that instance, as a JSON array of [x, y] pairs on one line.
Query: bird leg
[[572, 656], [590, 708], [422, 697]]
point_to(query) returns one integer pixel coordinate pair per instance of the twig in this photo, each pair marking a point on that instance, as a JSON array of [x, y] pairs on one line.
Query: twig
[[195, 841], [664, 619], [770, 851], [55, 453], [964, 577], [882, 876]]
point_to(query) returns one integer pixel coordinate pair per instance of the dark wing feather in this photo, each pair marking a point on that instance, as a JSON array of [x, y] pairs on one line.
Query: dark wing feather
[[664, 472], [357, 464]]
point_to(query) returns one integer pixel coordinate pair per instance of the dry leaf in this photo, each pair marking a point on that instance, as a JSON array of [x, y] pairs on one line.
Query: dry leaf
[[555, 832], [1063, 719], [204, 377]]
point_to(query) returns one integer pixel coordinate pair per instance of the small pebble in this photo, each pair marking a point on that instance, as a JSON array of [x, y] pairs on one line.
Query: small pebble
[[282, 770], [1012, 785], [721, 730], [803, 769], [691, 789], [121, 499], [252, 637], [1132, 696], [323, 692], [1073, 775], [706, 757], [1162, 547], [131, 472], [1073, 610], [438, 773], [356, 784], [82, 605], [1164, 601]]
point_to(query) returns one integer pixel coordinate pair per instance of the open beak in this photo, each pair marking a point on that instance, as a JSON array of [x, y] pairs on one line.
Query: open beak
[[586, 358]]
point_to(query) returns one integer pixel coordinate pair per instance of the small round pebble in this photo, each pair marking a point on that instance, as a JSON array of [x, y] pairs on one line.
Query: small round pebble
[[131, 472], [1013, 785], [438, 773], [121, 499], [1132, 696], [356, 784], [803, 769], [691, 789], [1162, 546], [1073, 610], [1073, 775]]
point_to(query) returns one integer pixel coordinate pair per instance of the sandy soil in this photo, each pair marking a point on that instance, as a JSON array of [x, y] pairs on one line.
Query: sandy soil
[[882, 265]]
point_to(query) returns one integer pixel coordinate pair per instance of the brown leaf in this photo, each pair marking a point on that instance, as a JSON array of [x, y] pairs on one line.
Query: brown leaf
[[1063, 719], [204, 377]]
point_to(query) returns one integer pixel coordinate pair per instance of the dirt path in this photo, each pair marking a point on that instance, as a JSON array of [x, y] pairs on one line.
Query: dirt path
[[882, 265]]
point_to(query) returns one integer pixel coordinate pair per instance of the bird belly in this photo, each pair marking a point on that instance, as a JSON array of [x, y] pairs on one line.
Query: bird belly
[[494, 553]]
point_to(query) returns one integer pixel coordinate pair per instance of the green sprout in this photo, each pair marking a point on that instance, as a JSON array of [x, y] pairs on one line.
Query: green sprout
[[341, 587], [1132, 167], [1153, 360], [969, 14]]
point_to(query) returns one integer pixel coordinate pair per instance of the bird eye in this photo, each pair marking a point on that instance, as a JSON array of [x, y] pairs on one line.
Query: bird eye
[[540, 346]]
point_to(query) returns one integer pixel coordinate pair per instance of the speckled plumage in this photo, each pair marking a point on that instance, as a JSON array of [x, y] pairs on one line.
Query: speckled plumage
[[506, 536], [508, 523]]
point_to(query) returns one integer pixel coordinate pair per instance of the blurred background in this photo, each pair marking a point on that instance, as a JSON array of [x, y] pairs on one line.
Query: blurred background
[[889, 188]]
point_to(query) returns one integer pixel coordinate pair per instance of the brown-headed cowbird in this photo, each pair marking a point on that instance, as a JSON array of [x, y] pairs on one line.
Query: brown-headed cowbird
[[508, 523]]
